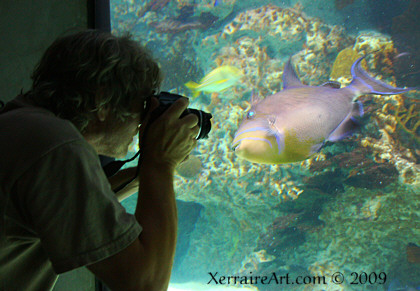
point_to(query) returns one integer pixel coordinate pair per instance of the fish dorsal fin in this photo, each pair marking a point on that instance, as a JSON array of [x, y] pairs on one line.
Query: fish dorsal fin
[[290, 78], [332, 84]]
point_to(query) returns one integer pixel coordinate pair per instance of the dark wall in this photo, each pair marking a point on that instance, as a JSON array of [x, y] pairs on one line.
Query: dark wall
[[27, 28]]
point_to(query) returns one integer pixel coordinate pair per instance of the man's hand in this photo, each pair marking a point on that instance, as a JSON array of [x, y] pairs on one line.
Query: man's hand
[[169, 139]]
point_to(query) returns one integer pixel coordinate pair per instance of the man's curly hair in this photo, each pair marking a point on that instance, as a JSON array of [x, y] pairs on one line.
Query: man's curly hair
[[84, 71]]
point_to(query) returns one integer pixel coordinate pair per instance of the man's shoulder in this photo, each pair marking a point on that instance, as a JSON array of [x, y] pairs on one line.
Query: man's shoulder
[[32, 134], [28, 133], [36, 127]]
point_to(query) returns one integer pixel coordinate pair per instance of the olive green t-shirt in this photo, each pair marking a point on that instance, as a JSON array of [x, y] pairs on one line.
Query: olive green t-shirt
[[57, 210]]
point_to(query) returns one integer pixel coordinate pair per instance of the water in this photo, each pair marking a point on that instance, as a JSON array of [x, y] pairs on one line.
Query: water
[[348, 212]]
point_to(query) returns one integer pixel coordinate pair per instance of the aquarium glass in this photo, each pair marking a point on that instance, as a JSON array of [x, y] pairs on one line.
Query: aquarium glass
[[322, 193]]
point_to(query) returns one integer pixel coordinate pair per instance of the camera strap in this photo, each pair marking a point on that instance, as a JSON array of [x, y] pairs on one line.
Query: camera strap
[[113, 167], [122, 163]]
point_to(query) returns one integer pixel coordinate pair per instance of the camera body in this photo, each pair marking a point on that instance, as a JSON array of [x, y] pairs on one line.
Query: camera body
[[166, 99]]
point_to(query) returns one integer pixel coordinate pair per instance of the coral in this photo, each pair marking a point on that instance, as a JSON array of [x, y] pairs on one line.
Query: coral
[[153, 5], [269, 32], [369, 209], [361, 171], [381, 51], [282, 234], [359, 226], [326, 269], [325, 39], [175, 26], [252, 59], [343, 63], [404, 116], [252, 262], [285, 24], [407, 118], [398, 127], [180, 67], [184, 21], [370, 177], [386, 149], [356, 168], [323, 268]]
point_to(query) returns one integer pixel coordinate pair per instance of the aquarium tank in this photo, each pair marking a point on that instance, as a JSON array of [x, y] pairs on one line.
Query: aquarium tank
[[305, 205]]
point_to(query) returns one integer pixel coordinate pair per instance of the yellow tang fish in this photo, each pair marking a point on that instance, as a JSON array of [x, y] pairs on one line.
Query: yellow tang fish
[[294, 123], [217, 80]]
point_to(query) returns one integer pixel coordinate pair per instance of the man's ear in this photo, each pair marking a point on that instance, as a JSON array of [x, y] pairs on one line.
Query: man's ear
[[103, 113], [103, 110]]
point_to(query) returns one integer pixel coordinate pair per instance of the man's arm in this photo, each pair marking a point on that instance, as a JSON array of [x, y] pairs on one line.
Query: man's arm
[[146, 264], [156, 208]]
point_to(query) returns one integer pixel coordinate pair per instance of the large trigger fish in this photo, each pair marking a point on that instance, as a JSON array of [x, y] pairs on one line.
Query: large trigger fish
[[294, 123]]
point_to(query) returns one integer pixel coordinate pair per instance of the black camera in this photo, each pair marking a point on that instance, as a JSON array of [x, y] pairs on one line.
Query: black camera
[[166, 99]]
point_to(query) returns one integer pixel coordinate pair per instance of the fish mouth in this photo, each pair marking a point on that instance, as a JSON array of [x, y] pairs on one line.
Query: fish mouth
[[237, 140], [264, 137], [237, 143]]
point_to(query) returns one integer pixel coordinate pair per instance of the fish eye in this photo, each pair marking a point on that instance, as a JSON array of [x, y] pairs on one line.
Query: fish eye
[[250, 114]]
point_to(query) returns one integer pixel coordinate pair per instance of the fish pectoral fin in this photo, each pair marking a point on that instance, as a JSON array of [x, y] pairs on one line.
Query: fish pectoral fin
[[349, 124], [346, 128]]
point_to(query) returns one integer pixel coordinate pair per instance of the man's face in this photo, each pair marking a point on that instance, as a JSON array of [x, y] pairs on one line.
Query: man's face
[[109, 135], [119, 135]]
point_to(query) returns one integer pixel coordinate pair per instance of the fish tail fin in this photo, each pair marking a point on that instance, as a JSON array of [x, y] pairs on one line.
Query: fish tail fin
[[365, 84], [193, 87]]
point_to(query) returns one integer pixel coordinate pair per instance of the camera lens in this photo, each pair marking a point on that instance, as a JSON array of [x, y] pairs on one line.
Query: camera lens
[[166, 99], [203, 122]]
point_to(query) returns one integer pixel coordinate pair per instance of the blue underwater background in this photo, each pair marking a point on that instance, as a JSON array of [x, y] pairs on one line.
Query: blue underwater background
[[351, 209]]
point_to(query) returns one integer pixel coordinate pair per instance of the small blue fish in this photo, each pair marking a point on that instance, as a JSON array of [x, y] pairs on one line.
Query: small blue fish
[[216, 2], [294, 123]]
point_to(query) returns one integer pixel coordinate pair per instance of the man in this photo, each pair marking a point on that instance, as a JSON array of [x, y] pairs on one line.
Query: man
[[57, 209]]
